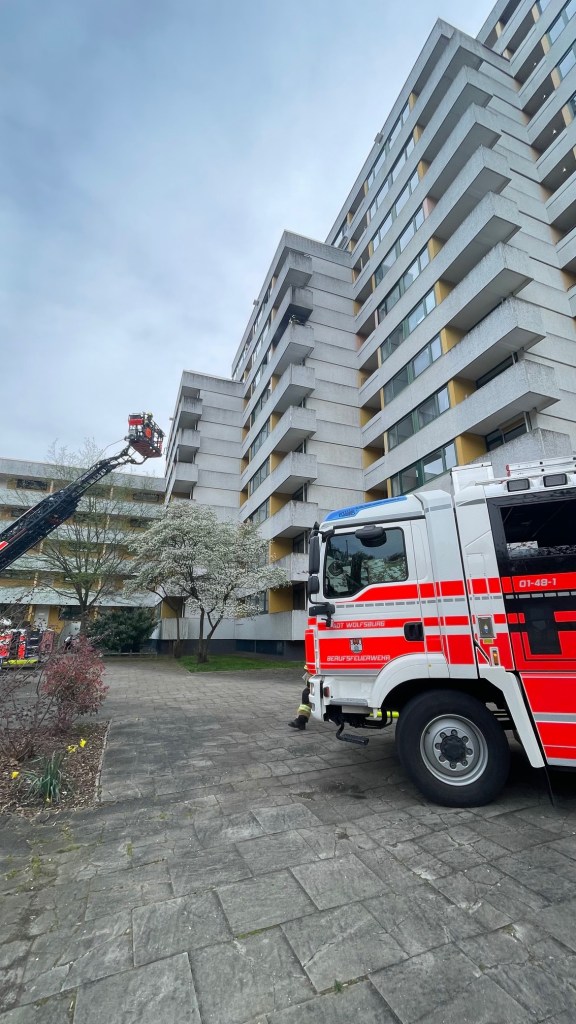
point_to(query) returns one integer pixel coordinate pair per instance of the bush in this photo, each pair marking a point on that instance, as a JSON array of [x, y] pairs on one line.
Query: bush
[[122, 630], [74, 680]]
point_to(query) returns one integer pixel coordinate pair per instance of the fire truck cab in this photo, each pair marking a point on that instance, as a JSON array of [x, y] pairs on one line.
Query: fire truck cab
[[456, 615]]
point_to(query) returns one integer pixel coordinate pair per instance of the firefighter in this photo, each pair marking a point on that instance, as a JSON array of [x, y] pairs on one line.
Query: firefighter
[[303, 713]]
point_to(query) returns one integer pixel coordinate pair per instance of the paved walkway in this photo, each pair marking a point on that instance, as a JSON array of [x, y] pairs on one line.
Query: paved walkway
[[238, 872]]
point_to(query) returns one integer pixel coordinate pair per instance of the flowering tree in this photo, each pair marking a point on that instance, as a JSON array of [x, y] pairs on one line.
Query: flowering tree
[[220, 569]]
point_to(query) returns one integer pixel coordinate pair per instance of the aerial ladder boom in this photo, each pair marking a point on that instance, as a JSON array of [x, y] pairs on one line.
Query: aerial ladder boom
[[144, 437]]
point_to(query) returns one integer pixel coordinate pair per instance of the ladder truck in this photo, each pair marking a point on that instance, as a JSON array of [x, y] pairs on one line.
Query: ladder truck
[[144, 439], [455, 616]]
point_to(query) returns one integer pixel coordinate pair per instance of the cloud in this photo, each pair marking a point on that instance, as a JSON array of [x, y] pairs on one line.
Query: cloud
[[151, 156]]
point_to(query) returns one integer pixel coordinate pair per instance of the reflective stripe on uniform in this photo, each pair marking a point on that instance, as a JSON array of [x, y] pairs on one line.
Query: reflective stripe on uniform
[[304, 709]]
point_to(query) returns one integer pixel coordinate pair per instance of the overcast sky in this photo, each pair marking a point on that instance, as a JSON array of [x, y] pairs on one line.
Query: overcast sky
[[151, 154]]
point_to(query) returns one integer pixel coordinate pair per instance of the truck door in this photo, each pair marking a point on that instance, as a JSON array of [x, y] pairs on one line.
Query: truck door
[[369, 575], [536, 552]]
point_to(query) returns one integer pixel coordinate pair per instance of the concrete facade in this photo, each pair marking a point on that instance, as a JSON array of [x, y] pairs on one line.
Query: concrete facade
[[435, 326], [130, 500]]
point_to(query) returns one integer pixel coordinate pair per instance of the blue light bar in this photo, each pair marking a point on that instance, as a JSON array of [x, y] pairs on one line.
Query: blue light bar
[[353, 510]]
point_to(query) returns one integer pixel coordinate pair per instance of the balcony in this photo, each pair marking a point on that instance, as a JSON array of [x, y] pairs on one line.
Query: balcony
[[523, 387], [294, 471], [278, 626], [501, 273], [295, 384], [512, 326], [518, 30], [485, 172], [561, 207], [184, 446], [566, 250], [292, 429], [469, 88], [296, 272], [295, 345], [188, 413], [293, 518], [295, 567], [290, 475], [556, 155], [182, 479]]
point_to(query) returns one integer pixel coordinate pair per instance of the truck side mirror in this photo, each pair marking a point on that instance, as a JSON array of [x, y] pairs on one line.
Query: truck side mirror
[[371, 536], [312, 586], [314, 554], [326, 609]]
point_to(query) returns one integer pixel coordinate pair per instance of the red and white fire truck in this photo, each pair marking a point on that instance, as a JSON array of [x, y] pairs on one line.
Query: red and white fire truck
[[455, 615]]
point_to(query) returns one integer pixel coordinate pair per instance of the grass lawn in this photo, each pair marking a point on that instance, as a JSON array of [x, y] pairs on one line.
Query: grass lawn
[[235, 663]]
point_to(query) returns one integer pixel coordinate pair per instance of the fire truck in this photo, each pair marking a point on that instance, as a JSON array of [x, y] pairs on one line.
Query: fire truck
[[453, 615], [144, 438]]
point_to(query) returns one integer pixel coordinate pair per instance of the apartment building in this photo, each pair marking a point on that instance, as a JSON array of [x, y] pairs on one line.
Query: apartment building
[[116, 509], [435, 326]]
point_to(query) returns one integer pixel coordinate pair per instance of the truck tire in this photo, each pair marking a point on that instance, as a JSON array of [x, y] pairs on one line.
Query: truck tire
[[453, 748]]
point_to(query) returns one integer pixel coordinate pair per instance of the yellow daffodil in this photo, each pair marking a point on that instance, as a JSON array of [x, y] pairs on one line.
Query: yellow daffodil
[[72, 748], [83, 743], [15, 775]]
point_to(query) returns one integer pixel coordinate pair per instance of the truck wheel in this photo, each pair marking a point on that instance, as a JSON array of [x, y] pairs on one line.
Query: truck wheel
[[453, 748]]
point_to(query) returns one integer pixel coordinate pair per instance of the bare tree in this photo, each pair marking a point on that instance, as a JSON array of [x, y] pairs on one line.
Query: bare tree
[[85, 560]]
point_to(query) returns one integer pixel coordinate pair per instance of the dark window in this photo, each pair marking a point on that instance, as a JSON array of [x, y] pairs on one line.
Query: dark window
[[507, 433], [32, 485], [539, 537], [351, 565], [152, 497], [495, 371]]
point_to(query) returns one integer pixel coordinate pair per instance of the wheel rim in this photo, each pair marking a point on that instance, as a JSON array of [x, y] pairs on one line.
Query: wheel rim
[[454, 750]]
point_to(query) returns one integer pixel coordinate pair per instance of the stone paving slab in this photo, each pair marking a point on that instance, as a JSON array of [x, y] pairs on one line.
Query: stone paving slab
[[234, 873]]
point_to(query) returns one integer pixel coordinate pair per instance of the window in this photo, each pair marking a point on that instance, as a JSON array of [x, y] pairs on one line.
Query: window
[[26, 484], [568, 61], [395, 209], [262, 602], [300, 544], [352, 564], [387, 145], [259, 406], [572, 104], [259, 476], [261, 513], [507, 432], [398, 248], [340, 241], [534, 538], [425, 469], [409, 324], [420, 417], [259, 440], [541, 532], [559, 23], [496, 371], [151, 497], [408, 278], [301, 494], [299, 602]]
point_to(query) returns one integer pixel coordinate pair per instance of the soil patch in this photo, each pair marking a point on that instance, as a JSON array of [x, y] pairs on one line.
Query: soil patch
[[81, 769]]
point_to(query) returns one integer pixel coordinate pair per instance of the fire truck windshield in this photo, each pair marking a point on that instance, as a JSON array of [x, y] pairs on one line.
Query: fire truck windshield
[[351, 565]]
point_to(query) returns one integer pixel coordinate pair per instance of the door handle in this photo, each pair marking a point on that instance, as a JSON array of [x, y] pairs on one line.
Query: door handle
[[414, 631]]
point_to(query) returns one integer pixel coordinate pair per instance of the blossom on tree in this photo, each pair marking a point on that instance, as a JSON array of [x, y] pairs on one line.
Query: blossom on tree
[[218, 569]]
